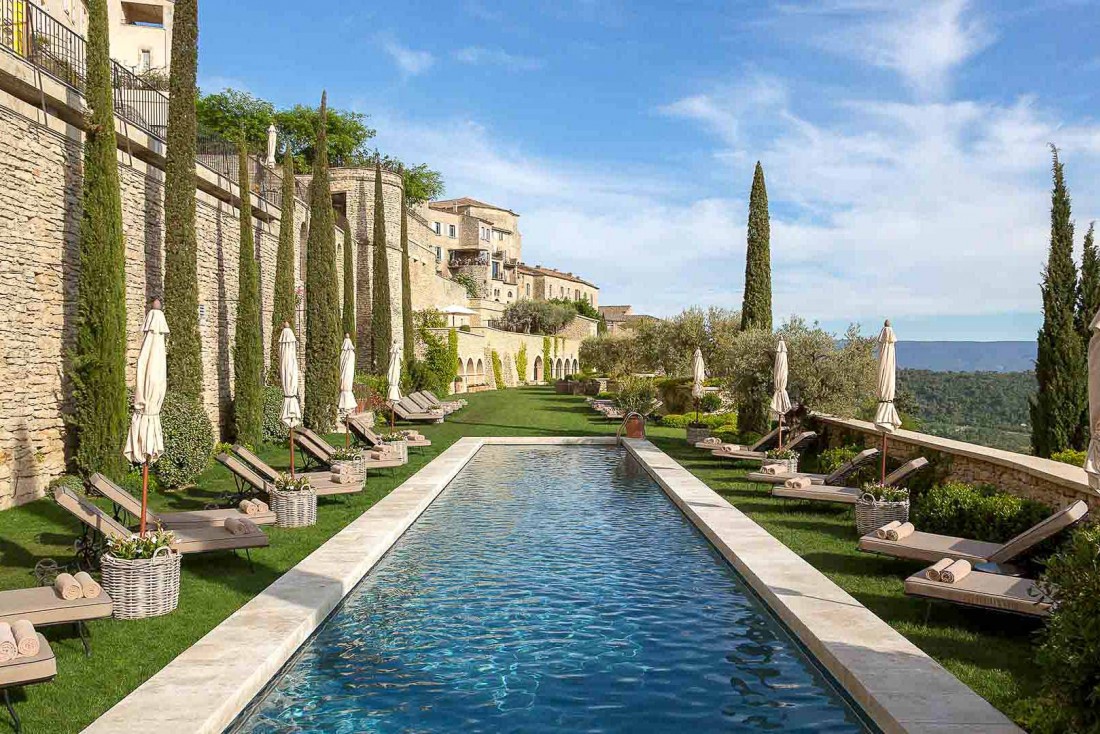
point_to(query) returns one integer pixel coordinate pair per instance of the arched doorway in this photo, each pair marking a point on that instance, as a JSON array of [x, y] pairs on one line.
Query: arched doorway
[[471, 376], [481, 373], [560, 369], [576, 366], [538, 369]]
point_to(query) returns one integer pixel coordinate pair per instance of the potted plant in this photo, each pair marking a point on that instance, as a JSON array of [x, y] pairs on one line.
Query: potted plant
[[294, 502], [141, 574], [880, 504], [637, 398], [399, 443], [347, 466], [785, 457]]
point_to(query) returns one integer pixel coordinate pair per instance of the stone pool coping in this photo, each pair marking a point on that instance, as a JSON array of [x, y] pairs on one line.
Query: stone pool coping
[[205, 687]]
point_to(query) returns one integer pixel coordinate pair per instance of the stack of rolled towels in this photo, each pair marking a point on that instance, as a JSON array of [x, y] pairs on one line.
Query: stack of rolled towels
[[253, 507], [948, 571], [71, 587], [895, 530], [712, 441], [773, 469], [17, 640], [798, 482], [241, 526]]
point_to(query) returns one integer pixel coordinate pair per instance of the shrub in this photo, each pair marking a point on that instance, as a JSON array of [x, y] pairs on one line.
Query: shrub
[[1069, 650], [536, 317], [885, 493], [521, 363], [274, 430], [1070, 456], [467, 281], [982, 512], [830, 460], [710, 402], [711, 420], [188, 441], [498, 370], [636, 395], [68, 481]]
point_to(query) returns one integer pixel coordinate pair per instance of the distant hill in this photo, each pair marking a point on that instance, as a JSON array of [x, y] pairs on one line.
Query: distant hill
[[967, 356]]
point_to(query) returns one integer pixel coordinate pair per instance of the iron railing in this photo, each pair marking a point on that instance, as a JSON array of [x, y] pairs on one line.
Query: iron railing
[[32, 33], [139, 102]]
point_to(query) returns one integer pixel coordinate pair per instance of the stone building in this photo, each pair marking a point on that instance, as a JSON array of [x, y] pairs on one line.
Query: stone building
[[620, 318], [544, 284]]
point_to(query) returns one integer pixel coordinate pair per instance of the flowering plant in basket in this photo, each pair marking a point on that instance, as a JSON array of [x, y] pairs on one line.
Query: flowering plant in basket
[[138, 547], [885, 493], [394, 437], [346, 454], [298, 484], [781, 454]]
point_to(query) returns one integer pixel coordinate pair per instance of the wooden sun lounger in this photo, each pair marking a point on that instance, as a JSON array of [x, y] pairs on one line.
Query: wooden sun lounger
[[930, 547], [25, 671], [762, 456], [440, 403], [847, 495], [321, 452], [833, 479], [418, 415], [367, 435], [126, 502], [188, 540], [763, 443], [422, 402], [260, 476], [42, 606], [984, 591]]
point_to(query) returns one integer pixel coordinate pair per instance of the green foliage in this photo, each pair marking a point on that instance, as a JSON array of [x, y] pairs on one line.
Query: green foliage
[[381, 316], [284, 308], [181, 288], [667, 345], [1070, 456], [141, 547], [274, 430], [547, 371], [1069, 652], [536, 317], [348, 318], [1060, 404], [978, 512], [829, 460], [322, 367], [467, 281], [498, 370], [990, 399], [710, 420], [407, 329], [609, 354], [452, 360], [188, 442], [579, 306], [98, 358], [1088, 296], [756, 309], [885, 493], [439, 367], [231, 113], [248, 358], [429, 318], [521, 362], [422, 184], [710, 402], [71, 482], [636, 395]]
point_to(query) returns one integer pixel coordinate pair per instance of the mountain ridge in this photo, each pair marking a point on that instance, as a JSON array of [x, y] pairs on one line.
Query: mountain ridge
[[967, 356]]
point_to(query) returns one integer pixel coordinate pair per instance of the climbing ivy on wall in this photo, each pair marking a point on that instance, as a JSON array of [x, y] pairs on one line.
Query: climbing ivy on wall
[[498, 370], [546, 370], [521, 363]]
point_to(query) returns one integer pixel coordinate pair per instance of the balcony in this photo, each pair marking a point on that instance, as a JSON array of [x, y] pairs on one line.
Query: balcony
[[498, 254], [467, 258]]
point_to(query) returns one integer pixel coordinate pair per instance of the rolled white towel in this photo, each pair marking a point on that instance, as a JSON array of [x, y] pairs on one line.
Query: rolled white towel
[[8, 648], [901, 532], [957, 571], [68, 588], [935, 571], [248, 507], [89, 588], [250, 527], [235, 525], [884, 532], [26, 639], [797, 482], [773, 469], [261, 506]]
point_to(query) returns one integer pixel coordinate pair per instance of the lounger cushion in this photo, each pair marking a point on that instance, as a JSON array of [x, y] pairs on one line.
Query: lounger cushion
[[41, 606], [1031, 537], [203, 539], [819, 493], [780, 478], [986, 590], [24, 670], [930, 547], [215, 518]]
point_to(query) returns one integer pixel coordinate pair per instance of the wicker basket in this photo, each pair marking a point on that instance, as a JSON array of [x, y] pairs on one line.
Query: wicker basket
[[696, 434], [294, 509], [872, 514], [349, 472], [144, 587], [399, 449], [790, 466]]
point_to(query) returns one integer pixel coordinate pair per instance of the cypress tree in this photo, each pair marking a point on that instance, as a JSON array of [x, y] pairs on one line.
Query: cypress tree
[[1057, 408], [98, 359], [322, 369], [406, 287], [1088, 294], [248, 356], [349, 285], [181, 288], [756, 307], [283, 309], [381, 312]]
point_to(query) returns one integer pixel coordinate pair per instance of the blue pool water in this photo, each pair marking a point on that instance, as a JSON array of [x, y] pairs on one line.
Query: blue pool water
[[551, 589]]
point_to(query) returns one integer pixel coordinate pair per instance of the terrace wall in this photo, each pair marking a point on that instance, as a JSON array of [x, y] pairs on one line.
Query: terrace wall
[[1049, 481]]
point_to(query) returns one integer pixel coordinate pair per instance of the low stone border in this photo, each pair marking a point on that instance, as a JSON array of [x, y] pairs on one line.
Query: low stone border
[[204, 689]]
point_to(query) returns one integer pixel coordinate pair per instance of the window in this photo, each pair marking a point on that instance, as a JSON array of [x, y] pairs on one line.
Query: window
[[485, 232], [143, 14], [146, 62], [496, 270], [438, 253], [450, 230], [528, 290], [438, 226], [500, 236], [509, 294]]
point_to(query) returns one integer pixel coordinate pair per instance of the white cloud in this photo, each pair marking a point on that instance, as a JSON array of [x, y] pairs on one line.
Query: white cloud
[[410, 61], [480, 55]]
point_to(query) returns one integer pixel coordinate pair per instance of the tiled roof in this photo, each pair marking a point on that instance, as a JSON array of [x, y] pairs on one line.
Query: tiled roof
[[550, 272], [614, 313], [451, 204]]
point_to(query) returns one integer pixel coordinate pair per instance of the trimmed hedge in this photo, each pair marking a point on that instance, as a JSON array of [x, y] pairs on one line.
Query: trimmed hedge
[[982, 512], [274, 430], [188, 441], [1070, 456], [711, 420]]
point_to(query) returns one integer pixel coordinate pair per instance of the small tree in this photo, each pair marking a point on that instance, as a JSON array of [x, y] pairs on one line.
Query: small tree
[[248, 360], [322, 369], [98, 358], [349, 284], [284, 308], [756, 308], [381, 310], [406, 288]]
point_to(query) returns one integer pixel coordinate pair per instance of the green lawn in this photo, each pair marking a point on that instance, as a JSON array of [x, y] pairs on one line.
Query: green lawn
[[991, 653]]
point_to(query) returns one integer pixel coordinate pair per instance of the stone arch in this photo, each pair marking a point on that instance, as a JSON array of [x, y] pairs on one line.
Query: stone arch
[[538, 369], [559, 369], [481, 371], [470, 374], [576, 366]]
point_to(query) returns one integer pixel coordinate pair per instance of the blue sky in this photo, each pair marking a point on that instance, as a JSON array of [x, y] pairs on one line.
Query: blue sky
[[904, 143]]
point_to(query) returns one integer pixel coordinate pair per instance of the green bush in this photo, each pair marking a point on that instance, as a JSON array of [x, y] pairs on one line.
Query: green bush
[[636, 395], [830, 460], [521, 363], [711, 420], [498, 370], [188, 441], [1070, 456], [274, 430], [69, 481], [982, 512], [1069, 650], [711, 402]]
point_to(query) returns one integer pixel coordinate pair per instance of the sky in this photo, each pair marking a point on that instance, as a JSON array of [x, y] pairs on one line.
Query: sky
[[904, 143]]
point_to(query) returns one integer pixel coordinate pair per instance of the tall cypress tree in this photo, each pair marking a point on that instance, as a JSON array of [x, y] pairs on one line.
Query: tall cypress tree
[[381, 312], [406, 287], [248, 355], [283, 309], [756, 307], [1088, 294], [1057, 408], [349, 284], [98, 358], [322, 370], [181, 288]]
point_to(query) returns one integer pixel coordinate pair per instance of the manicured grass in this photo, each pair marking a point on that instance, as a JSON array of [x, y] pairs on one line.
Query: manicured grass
[[991, 653]]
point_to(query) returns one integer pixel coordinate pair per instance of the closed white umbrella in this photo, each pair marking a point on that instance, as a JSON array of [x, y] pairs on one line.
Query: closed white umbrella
[[1092, 461], [393, 375], [291, 414], [698, 377], [781, 402], [887, 419], [347, 402], [145, 440]]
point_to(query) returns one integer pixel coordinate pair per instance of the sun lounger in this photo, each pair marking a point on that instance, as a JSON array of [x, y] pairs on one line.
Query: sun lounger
[[188, 540], [257, 474], [416, 415], [172, 520], [366, 434], [847, 495], [765, 442], [931, 547], [42, 606], [436, 402], [427, 406], [794, 444], [834, 479], [25, 671], [321, 452], [984, 591]]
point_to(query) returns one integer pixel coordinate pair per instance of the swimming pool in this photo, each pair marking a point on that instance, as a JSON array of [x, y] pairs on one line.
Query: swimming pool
[[551, 588]]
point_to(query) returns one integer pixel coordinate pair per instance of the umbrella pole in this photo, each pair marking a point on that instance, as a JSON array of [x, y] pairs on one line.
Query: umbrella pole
[[292, 452], [144, 493], [347, 431], [781, 431], [884, 458]]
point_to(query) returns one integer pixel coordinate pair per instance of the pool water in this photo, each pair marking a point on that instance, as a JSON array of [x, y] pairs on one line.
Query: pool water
[[551, 589]]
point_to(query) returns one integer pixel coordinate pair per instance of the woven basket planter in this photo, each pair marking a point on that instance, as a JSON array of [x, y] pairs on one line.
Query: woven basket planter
[[349, 472], [872, 514], [294, 509], [696, 434], [790, 466], [144, 587], [399, 449]]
